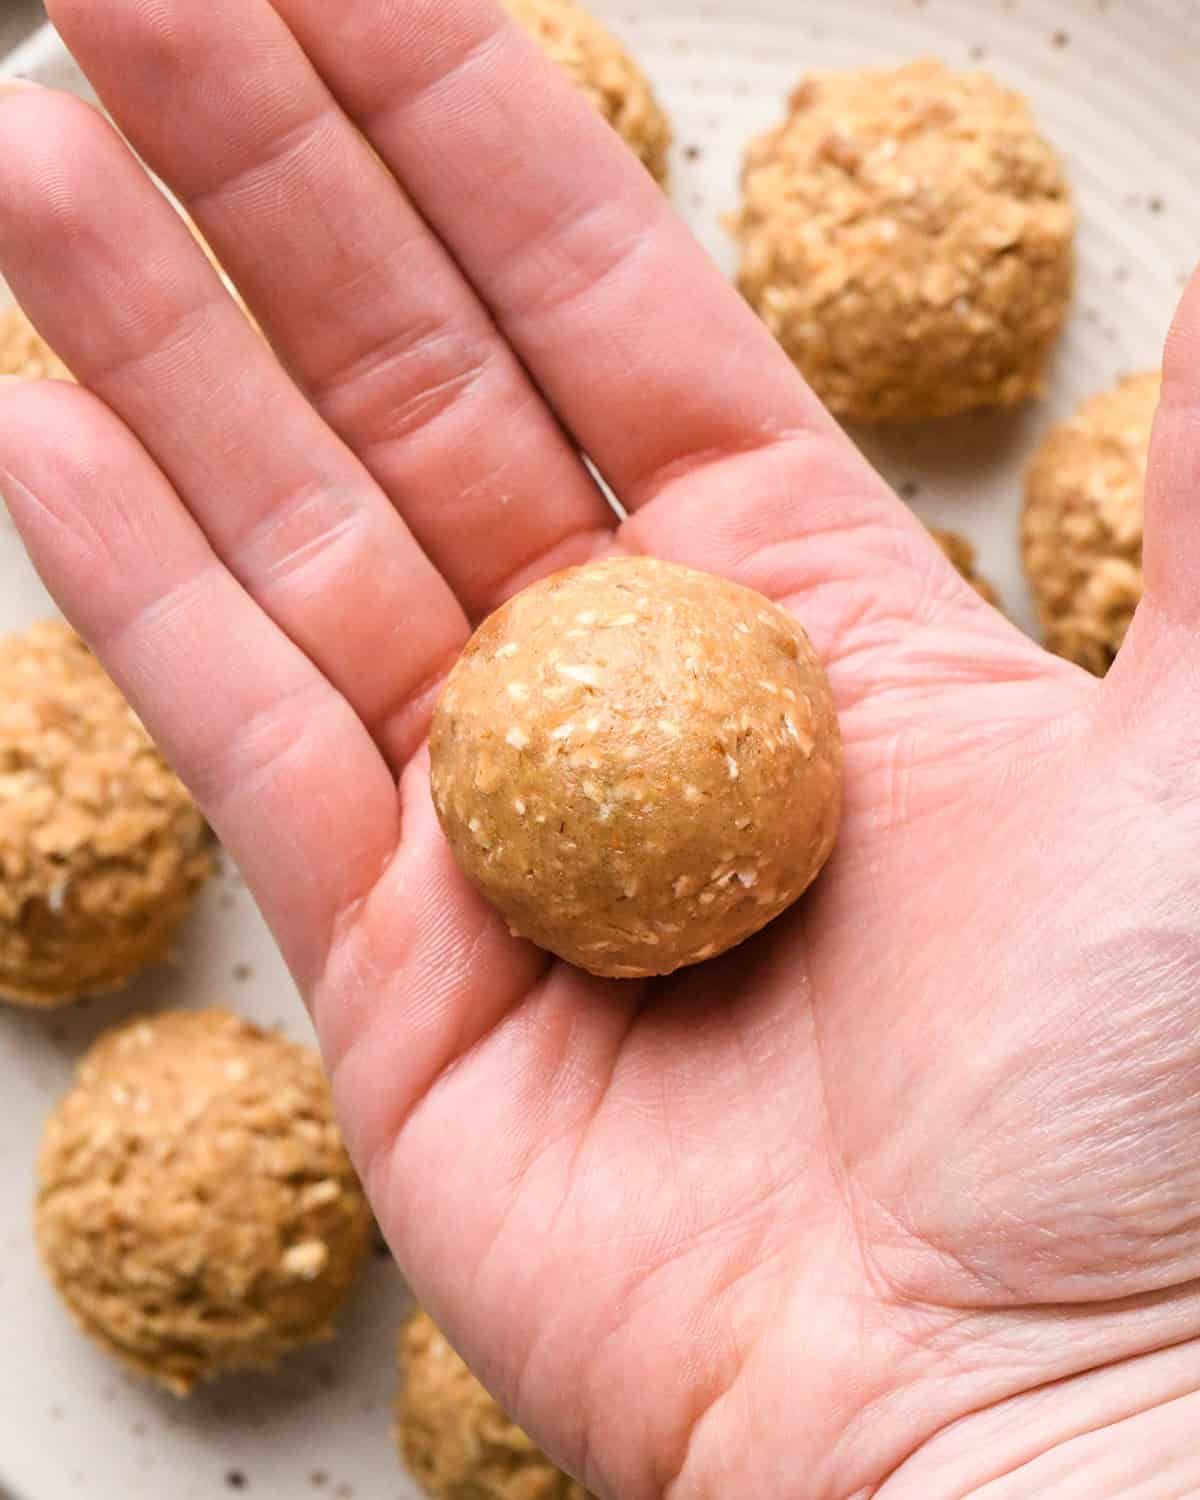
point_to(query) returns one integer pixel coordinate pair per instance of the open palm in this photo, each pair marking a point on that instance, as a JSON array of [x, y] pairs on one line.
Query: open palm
[[899, 1198]]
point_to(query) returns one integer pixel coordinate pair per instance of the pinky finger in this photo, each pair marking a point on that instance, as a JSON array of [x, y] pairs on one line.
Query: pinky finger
[[260, 737]]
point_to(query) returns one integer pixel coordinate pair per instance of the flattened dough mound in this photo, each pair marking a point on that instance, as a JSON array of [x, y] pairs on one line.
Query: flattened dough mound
[[457, 1442], [961, 553], [1081, 531], [597, 63], [907, 235], [196, 1208], [102, 850], [24, 352]]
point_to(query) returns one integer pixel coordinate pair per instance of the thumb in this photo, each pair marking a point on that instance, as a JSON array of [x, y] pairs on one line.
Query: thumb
[[1162, 651]]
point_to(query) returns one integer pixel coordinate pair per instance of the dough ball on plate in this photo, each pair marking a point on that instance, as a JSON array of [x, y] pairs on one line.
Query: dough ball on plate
[[962, 554], [24, 352], [102, 850], [1081, 531], [457, 1442], [638, 764], [594, 60], [196, 1208], [906, 233]]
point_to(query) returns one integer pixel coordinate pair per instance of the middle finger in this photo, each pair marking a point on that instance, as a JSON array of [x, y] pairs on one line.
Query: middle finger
[[366, 307]]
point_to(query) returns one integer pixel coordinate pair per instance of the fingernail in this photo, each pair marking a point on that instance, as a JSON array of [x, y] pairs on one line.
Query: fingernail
[[17, 85]]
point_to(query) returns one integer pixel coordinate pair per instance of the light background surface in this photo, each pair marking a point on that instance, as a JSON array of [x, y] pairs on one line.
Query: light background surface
[[17, 19], [1113, 83]]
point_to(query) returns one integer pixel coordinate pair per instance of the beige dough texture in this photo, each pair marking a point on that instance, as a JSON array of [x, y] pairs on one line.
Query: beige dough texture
[[24, 352], [457, 1442], [638, 764], [907, 236], [102, 850], [195, 1207], [1081, 531], [599, 65], [962, 554]]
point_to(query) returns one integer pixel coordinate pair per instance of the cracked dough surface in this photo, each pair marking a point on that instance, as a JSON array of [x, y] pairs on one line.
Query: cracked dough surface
[[906, 234], [1081, 530], [638, 764], [196, 1208], [598, 64], [455, 1439], [102, 850]]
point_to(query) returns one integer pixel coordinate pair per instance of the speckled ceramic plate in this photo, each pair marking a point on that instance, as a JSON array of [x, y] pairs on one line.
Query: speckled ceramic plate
[[1113, 82]]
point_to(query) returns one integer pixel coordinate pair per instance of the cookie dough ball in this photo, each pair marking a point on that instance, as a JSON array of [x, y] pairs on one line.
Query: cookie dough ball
[[906, 234], [962, 554], [638, 764], [1081, 531], [24, 352], [457, 1442], [598, 64], [102, 850], [196, 1208]]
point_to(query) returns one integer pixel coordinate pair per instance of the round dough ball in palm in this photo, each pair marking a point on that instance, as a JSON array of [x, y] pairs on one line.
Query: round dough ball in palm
[[906, 233], [1081, 531], [597, 63], [455, 1439], [102, 850], [638, 764], [196, 1208]]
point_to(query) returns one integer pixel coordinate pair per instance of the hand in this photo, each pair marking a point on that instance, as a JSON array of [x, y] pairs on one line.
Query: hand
[[898, 1200]]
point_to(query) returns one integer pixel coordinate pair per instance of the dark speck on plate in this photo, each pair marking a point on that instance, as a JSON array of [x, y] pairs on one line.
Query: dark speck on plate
[[236, 1480]]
